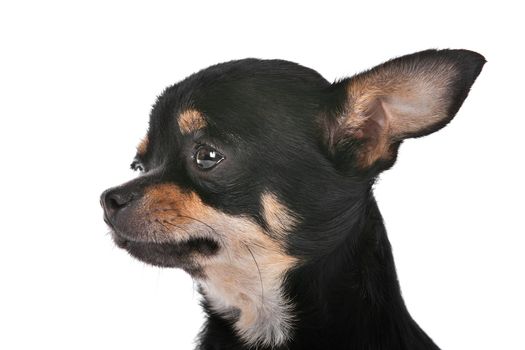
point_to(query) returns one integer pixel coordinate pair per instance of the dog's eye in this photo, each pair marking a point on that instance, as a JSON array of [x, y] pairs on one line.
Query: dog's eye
[[136, 165], [207, 157]]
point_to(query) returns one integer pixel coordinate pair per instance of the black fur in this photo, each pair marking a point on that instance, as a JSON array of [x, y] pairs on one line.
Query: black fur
[[266, 116]]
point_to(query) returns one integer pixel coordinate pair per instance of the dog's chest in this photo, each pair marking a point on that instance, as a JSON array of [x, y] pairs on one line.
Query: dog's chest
[[248, 291]]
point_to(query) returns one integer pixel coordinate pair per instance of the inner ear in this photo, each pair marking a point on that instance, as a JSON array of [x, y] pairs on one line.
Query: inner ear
[[410, 96], [372, 132]]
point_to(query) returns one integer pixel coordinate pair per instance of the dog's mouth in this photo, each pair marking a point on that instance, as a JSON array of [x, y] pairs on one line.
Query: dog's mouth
[[187, 254]]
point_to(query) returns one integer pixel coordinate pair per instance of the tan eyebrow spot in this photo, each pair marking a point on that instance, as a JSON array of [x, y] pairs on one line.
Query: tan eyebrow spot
[[191, 120], [279, 218], [142, 147]]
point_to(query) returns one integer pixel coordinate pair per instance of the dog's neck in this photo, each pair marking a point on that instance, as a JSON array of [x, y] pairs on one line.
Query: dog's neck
[[356, 302], [349, 299]]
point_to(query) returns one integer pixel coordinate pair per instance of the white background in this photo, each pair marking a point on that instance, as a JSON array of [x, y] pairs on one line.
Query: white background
[[76, 85]]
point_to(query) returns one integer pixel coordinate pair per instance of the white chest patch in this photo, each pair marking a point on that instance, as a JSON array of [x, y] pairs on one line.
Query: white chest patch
[[244, 281], [262, 312]]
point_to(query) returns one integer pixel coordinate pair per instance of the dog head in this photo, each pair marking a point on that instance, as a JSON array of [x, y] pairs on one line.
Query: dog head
[[252, 167]]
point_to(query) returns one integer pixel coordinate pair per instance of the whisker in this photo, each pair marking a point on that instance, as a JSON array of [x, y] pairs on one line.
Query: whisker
[[159, 222], [258, 245], [154, 233], [202, 222], [188, 217], [162, 209], [177, 226], [219, 237], [258, 270]]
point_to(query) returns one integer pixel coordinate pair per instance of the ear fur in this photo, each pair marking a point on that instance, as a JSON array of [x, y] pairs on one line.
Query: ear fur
[[409, 96]]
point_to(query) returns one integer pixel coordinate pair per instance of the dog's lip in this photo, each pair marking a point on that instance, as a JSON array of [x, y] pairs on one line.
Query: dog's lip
[[123, 241], [119, 240], [109, 222], [189, 254]]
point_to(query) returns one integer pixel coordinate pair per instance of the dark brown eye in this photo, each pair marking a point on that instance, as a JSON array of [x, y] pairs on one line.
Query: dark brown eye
[[207, 157], [136, 165]]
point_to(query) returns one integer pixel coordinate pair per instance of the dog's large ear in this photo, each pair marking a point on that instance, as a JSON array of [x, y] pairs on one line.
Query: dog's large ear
[[368, 115]]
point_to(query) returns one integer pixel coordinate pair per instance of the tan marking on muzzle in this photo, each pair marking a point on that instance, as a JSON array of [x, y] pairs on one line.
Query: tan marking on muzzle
[[172, 213]]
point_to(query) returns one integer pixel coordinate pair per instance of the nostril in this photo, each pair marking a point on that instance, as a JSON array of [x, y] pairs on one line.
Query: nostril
[[119, 200], [112, 201]]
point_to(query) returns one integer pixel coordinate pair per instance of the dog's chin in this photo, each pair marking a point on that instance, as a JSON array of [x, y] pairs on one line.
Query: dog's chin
[[187, 255]]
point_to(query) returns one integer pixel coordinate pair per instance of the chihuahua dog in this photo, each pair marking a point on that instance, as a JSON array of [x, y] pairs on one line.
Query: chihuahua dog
[[256, 178]]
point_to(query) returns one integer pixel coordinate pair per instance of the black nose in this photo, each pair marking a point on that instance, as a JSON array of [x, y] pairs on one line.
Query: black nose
[[113, 200]]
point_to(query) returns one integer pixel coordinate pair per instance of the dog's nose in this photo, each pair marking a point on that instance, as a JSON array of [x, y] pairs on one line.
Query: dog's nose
[[113, 200]]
